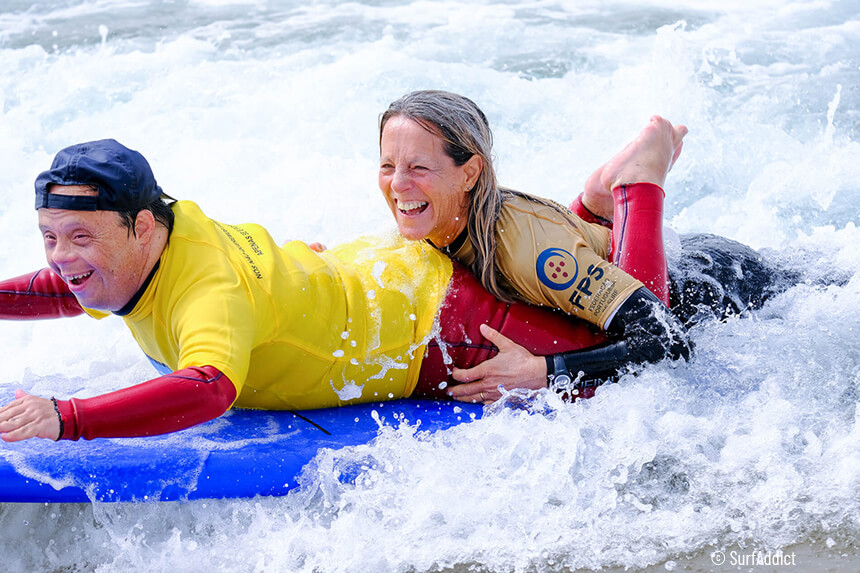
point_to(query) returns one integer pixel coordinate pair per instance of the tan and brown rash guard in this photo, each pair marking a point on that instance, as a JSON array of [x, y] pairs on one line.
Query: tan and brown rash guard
[[550, 260]]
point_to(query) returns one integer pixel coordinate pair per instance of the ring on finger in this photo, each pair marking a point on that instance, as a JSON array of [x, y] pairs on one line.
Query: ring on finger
[[482, 397]]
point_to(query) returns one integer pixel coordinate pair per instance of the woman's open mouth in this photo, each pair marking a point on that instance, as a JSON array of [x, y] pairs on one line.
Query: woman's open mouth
[[412, 207]]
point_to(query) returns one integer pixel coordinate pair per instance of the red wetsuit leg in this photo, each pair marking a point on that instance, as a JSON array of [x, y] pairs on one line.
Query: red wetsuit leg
[[459, 342], [37, 295], [637, 236], [165, 404]]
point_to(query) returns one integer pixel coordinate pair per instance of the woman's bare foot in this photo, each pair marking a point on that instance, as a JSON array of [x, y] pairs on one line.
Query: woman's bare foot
[[646, 159]]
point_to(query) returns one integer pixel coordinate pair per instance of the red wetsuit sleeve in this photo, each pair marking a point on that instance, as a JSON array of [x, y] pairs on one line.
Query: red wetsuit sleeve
[[37, 295], [166, 404]]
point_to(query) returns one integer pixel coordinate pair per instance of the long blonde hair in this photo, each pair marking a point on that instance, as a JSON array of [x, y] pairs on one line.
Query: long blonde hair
[[466, 132]]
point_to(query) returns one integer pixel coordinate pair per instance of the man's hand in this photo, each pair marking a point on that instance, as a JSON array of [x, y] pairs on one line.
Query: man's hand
[[513, 367], [28, 416]]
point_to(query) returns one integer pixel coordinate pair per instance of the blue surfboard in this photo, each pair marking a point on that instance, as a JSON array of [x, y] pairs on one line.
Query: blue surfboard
[[242, 454]]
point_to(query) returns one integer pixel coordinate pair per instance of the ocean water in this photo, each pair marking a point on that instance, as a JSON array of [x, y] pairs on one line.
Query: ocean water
[[266, 111]]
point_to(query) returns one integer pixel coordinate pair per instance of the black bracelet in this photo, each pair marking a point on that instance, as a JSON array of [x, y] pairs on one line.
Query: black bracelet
[[60, 416]]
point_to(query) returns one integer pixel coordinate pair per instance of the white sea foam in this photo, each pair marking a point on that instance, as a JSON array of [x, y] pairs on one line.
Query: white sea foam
[[265, 111]]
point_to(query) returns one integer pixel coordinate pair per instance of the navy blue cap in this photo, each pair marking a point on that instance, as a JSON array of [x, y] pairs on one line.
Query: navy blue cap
[[122, 176]]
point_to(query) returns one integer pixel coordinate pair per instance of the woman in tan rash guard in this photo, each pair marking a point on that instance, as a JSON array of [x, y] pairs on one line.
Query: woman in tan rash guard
[[436, 174]]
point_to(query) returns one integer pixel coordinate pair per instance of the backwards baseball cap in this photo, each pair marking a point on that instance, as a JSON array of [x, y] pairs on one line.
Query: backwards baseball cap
[[122, 176]]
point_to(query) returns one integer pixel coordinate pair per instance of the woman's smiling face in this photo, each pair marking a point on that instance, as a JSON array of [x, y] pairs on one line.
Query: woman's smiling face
[[427, 192]]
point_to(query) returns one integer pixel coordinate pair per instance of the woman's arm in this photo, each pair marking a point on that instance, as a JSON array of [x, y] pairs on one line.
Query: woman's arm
[[643, 331]]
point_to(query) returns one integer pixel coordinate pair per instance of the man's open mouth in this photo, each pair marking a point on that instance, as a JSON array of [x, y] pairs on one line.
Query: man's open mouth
[[79, 279]]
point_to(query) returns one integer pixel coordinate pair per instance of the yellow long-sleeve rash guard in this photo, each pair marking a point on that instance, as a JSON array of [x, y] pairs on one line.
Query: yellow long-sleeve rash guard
[[291, 328]]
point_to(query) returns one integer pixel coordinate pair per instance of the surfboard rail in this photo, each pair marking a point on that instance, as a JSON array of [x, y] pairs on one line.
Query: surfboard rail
[[243, 454]]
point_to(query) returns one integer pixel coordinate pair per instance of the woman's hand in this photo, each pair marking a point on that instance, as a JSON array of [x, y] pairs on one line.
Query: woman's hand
[[28, 416], [513, 367]]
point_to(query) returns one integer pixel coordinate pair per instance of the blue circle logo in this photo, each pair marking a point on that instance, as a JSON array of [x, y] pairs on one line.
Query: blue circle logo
[[556, 268]]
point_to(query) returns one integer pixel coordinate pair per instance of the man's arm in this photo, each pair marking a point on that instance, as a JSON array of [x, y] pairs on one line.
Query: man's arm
[[41, 294], [165, 404]]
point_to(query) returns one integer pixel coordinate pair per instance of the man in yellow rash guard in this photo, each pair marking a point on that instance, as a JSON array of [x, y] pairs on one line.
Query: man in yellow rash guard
[[235, 320], [277, 320]]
